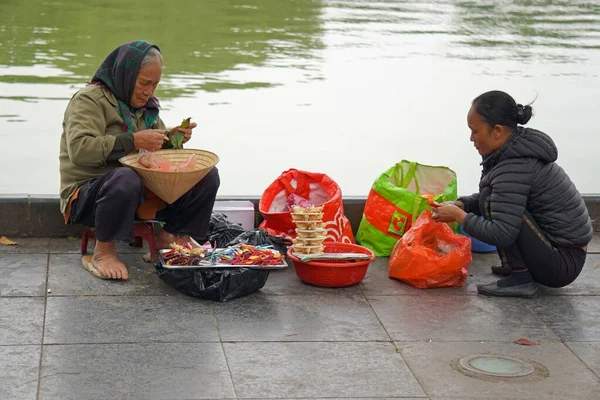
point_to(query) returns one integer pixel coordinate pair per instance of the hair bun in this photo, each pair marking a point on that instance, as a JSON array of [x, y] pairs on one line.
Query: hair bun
[[524, 114]]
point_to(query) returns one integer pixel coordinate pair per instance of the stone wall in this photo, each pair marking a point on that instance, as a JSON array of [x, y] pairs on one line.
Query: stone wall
[[40, 216]]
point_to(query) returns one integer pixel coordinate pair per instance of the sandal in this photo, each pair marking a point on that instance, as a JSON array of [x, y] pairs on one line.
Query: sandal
[[86, 262]]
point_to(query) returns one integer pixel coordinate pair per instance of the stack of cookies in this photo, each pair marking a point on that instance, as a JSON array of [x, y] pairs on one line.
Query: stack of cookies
[[310, 230]]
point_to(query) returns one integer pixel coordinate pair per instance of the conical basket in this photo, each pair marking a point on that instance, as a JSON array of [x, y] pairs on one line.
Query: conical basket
[[170, 186]]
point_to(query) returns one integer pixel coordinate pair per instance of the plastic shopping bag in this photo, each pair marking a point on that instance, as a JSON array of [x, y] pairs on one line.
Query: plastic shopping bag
[[397, 197], [431, 255], [302, 187]]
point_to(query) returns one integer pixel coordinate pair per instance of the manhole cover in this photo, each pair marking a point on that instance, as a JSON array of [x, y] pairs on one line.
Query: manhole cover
[[496, 366]]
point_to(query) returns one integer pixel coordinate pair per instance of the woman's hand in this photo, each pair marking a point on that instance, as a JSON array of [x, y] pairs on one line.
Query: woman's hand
[[458, 204], [449, 212], [149, 139], [187, 132]]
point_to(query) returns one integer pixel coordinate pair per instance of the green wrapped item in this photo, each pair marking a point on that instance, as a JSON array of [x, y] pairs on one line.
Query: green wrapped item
[[397, 198], [177, 138]]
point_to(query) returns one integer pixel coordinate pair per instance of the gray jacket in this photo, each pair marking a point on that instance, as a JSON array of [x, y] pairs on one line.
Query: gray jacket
[[523, 177]]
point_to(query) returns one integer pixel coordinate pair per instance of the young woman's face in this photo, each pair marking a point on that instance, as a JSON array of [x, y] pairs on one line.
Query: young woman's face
[[487, 140]]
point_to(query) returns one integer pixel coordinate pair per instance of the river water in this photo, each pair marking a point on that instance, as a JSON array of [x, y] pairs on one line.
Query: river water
[[344, 87]]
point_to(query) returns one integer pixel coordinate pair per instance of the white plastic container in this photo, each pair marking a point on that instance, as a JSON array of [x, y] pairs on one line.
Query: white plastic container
[[241, 212]]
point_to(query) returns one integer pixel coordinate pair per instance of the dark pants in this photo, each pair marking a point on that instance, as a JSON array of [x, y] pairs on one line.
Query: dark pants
[[109, 204], [549, 265]]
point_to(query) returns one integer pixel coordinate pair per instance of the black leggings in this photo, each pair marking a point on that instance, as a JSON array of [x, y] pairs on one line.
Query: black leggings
[[549, 265], [109, 204]]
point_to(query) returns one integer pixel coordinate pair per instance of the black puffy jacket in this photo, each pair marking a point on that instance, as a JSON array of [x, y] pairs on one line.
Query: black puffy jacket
[[523, 175]]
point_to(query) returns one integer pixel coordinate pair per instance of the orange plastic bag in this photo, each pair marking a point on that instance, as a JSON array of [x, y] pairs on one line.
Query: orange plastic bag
[[430, 255]]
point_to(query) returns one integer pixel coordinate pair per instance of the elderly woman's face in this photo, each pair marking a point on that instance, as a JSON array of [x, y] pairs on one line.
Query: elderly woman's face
[[146, 83]]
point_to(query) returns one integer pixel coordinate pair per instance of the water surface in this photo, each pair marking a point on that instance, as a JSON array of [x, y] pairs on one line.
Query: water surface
[[343, 87]]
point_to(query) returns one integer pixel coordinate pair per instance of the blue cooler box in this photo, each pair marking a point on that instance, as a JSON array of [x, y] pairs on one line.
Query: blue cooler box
[[477, 246]]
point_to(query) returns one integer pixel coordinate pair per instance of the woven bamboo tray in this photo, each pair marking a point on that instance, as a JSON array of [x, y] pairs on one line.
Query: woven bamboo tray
[[170, 186]]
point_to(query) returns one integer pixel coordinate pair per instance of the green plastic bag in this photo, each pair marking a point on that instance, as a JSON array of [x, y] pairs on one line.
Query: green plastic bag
[[396, 200]]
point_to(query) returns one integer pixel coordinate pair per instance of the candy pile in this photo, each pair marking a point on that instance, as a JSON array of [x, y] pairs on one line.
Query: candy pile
[[245, 254], [240, 254], [310, 230], [295, 200]]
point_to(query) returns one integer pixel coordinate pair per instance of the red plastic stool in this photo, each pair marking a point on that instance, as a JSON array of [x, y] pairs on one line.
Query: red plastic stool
[[142, 230]]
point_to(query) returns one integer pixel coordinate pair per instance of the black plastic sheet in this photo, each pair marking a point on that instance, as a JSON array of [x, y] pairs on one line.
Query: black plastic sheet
[[221, 231], [214, 284], [226, 283]]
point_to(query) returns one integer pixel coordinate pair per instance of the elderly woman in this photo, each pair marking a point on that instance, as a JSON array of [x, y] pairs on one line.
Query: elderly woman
[[531, 210], [114, 115]]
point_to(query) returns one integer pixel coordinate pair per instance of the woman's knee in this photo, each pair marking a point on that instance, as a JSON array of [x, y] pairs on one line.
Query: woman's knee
[[212, 180], [209, 184], [205, 190], [123, 183]]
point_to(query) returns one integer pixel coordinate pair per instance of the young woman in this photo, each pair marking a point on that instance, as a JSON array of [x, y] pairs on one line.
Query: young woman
[[531, 210]]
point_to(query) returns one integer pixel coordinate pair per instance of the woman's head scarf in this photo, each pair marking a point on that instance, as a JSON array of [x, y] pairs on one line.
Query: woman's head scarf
[[118, 72]]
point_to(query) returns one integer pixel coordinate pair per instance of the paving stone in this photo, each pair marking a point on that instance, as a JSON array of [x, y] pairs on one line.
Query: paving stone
[[72, 246], [21, 320], [432, 364], [377, 282], [589, 353], [299, 318], [480, 271], [545, 397], [67, 277], [286, 282], [135, 371], [588, 282], [297, 324], [271, 370], [26, 246], [20, 367], [572, 318], [129, 319], [23, 274], [457, 318]]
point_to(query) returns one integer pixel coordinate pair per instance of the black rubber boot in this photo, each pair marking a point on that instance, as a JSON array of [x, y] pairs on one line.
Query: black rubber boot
[[527, 290], [501, 270]]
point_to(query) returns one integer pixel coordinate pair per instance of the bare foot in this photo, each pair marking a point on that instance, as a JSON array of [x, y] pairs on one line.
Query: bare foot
[[106, 262], [164, 239]]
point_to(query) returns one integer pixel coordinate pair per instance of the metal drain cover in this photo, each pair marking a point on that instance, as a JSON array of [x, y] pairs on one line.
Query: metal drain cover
[[496, 366]]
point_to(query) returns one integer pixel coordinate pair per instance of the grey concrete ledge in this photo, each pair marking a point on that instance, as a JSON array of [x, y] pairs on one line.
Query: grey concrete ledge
[[39, 216]]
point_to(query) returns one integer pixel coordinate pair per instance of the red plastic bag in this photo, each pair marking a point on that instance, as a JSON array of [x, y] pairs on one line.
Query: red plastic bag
[[317, 189], [430, 255]]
